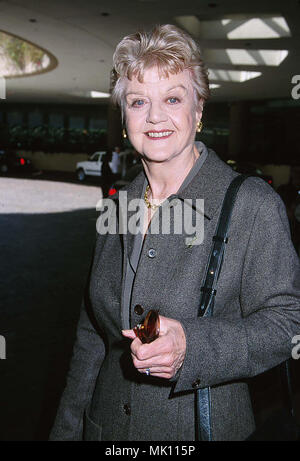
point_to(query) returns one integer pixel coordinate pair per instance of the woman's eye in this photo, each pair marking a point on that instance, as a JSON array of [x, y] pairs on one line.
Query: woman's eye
[[137, 103], [173, 100]]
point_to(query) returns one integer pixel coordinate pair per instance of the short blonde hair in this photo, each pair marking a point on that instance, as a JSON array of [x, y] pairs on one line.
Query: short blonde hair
[[169, 48]]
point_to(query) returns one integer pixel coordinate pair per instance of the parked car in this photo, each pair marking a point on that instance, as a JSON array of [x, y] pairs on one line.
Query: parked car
[[10, 161], [90, 167]]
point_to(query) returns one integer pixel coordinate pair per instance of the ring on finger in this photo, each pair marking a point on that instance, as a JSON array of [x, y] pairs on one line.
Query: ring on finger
[[148, 371]]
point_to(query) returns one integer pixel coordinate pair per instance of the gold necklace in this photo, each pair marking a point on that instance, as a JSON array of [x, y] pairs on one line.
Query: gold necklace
[[149, 205], [147, 201]]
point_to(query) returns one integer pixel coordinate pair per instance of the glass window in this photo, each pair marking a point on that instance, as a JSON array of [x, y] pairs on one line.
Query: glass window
[[97, 124], [14, 118], [76, 122], [94, 157], [35, 118], [56, 120]]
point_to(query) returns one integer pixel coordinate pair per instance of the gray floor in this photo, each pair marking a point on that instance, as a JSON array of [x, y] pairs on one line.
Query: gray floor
[[47, 234]]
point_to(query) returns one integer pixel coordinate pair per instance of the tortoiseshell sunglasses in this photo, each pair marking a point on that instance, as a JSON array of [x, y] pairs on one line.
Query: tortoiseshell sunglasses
[[148, 331]]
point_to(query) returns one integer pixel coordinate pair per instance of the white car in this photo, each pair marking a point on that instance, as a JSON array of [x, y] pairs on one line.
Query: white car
[[90, 167]]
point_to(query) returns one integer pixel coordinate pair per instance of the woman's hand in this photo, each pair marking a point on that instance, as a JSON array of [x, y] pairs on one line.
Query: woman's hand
[[165, 355]]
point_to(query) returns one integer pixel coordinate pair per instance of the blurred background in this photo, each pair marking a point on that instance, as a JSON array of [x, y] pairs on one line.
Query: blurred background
[[61, 150]]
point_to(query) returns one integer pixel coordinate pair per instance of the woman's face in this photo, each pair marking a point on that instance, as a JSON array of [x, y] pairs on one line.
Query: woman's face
[[161, 114]]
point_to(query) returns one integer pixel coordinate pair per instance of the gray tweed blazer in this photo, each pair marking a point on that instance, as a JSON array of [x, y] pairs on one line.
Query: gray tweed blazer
[[257, 312]]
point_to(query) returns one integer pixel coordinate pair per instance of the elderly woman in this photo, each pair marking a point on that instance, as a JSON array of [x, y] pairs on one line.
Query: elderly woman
[[119, 388]]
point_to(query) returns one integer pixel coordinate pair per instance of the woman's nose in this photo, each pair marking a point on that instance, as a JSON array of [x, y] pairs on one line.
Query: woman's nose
[[156, 114]]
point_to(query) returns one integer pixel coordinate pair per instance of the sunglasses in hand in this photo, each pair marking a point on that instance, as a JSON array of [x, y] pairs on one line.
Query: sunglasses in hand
[[148, 331]]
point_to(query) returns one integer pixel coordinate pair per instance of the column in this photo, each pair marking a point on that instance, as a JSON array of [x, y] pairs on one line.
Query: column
[[238, 130]]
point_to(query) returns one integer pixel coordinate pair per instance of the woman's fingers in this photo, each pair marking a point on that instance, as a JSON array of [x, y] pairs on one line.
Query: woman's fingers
[[158, 372], [165, 355], [129, 334], [158, 347], [158, 361]]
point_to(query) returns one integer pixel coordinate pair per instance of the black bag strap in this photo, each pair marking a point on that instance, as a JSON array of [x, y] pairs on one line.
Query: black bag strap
[[220, 239], [219, 242], [286, 385]]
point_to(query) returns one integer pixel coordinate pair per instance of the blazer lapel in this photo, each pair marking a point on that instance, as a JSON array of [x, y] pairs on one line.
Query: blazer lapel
[[123, 198], [209, 184]]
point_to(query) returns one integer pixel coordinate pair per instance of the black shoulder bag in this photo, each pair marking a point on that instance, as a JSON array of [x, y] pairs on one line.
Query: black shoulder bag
[[287, 425]]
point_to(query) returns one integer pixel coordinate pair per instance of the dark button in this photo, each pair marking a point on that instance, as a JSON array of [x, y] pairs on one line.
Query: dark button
[[127, 409], [152, 253], [138, 309], [196, 384]]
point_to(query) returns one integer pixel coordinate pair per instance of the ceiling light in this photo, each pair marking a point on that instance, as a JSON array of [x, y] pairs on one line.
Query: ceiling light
[[232, 75], [272, 27], [245, 57], [212, 86], [99, 94], [236, 27]]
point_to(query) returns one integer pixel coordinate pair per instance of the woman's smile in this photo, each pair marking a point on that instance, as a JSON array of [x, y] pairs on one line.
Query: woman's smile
[[158, 135]]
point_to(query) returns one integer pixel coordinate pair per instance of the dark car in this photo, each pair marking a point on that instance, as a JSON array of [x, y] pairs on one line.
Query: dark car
[[11, 162], [249, 168]]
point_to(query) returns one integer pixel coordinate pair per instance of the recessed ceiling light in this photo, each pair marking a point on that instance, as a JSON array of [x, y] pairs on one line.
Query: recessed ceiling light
[[245, 57], [99, 94], [232, 75], [236, 27], [272, 27], [88, 94], [212, 86], [32, 20]]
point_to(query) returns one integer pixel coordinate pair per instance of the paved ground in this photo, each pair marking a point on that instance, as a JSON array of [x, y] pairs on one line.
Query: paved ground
[[46, 242], [47, 232]]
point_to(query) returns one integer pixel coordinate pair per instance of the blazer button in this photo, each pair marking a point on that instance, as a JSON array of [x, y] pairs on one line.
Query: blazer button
[[152, 253], [138, 309], [196, 384], [127, 409]]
